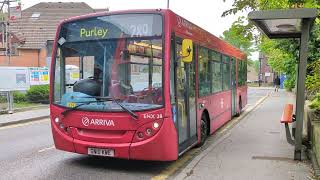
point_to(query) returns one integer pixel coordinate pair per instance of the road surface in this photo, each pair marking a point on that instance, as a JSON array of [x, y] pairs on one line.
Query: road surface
[[27, 152]]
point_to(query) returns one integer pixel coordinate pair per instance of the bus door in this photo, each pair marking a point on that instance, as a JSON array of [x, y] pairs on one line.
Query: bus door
[[233, 87], [186, 102]]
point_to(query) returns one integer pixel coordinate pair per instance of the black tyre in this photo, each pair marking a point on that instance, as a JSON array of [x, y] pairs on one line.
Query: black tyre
[[203, 130], [240, 108]]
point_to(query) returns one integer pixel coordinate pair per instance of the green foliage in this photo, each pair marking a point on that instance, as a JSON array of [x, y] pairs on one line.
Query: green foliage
[[241, 5], [246, 5], [315, 104], [289, 83], [314, 43], [38, 94], [239, 36], [283, 54], [3, 99], [19, 97], [313, 79]]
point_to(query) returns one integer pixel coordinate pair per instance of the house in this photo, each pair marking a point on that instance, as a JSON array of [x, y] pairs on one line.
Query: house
[[32, 35]]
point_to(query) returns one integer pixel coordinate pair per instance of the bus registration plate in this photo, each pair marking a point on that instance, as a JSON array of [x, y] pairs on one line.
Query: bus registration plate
[[101, 152]]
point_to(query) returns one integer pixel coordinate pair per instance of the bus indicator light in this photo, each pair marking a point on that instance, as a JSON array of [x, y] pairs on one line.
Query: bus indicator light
[[140, 135], [149, 132]]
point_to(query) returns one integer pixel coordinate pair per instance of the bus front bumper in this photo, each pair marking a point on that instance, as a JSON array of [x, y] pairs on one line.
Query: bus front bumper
[[162, 146]]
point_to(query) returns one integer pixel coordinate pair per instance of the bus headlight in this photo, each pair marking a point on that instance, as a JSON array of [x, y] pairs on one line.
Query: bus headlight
[[57, 120], [60, 125]]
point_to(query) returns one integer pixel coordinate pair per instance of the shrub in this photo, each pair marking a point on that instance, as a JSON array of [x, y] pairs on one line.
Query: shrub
[[19, 97], [313, 79], [289, 84], [315, 104], [38, 94]]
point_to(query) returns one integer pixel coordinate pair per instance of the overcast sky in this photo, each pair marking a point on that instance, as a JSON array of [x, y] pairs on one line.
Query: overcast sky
[[204, 13]]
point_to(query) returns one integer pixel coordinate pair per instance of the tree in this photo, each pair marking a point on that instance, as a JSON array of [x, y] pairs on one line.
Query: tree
[[249, 5], [283, 54], [239, 36]]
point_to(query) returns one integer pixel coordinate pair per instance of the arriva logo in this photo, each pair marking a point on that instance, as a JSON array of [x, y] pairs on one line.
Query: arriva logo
[[97, 122], [85, 121]]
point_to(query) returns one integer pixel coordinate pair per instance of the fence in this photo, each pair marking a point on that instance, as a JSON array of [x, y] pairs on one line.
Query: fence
[[19, 79], [10, 103]]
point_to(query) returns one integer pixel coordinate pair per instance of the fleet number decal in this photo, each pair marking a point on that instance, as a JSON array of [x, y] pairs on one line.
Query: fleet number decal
[[152, 116]]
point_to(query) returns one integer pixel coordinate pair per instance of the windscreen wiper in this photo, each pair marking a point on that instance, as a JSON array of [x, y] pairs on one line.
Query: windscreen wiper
[[65, 112], [101, 99], [129, 111]]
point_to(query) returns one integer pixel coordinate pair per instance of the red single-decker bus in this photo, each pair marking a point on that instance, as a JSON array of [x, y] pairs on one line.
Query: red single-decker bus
[[141, 84]]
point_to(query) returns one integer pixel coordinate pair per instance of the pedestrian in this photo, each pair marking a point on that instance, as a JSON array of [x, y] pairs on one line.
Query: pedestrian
[[276, 83]]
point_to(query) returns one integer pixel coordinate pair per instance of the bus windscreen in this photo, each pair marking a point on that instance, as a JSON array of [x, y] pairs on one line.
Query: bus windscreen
[[117, 56]]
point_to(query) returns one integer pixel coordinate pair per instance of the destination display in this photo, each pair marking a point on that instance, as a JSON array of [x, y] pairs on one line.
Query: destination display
[[113, 26]]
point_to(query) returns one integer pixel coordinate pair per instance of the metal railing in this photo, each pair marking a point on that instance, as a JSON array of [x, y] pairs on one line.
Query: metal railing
[[6, 102]]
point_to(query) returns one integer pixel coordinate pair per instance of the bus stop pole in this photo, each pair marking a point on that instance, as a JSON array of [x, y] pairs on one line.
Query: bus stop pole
[[300, 96]]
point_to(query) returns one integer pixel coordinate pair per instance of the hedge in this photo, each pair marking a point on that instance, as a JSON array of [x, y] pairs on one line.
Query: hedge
[[19, 97], [38, 94]]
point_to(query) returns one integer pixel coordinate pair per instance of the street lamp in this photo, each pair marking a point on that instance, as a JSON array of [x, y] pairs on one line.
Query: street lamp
[[291, 23]]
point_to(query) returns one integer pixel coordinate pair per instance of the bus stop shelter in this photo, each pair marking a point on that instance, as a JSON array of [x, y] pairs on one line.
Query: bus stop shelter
[[290, 23]]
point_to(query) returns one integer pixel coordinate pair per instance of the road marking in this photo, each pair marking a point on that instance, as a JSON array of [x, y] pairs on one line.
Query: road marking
[[24, 124], [176, 165], [46, 149]]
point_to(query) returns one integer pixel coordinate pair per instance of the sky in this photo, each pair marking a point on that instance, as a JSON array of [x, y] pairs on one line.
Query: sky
[[204, 13]]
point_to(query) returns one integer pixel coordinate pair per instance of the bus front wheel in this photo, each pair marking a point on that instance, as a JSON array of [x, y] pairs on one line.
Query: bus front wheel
[[240, 108], [203, 130]]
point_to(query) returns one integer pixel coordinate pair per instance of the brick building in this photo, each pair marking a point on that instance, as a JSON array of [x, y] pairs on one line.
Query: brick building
[[33, 34]]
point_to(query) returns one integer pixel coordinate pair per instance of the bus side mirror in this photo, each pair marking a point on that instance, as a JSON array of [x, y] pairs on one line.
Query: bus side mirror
[[187, 51]]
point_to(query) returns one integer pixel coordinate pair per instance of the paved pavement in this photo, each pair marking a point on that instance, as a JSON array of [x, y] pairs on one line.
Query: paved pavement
[[255, 148], [25, 116]]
